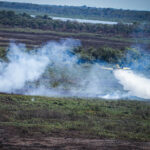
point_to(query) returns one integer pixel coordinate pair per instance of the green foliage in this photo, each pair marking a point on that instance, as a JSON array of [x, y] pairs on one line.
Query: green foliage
[[3, 53], [10, 19], [106, 54], [98, 118], [82, 12]]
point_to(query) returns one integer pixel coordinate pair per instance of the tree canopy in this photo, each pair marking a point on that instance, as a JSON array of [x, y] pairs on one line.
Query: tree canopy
[[118, 15]]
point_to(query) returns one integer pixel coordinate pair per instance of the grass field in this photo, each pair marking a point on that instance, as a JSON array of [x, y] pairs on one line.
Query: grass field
[[92, 118]]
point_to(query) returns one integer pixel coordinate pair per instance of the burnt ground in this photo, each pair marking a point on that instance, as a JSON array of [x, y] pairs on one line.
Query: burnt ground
[[11, 140], [35, 39]]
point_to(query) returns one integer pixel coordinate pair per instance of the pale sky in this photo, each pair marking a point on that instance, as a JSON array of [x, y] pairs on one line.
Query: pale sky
[[124, 4]]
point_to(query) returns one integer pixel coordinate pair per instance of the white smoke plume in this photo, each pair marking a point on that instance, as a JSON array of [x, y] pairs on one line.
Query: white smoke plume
[[53, 70], [22, 67], [137, 85]]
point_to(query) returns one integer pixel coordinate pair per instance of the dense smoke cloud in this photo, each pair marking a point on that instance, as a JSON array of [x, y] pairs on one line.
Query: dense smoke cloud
[[137, 85], [22, 67], [53, 70]]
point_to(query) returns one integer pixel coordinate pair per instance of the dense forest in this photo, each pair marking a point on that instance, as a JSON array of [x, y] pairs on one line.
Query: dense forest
[[11, 19], [118, 15]]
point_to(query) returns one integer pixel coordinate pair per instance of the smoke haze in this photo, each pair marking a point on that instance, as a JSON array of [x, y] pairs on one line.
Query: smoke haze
[[53, 70]]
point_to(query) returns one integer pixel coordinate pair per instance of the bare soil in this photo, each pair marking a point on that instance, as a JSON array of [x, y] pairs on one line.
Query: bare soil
[[40, 38], [55, 141]]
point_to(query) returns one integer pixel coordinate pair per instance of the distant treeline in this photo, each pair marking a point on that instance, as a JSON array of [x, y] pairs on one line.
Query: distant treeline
[[82, 12], [11, 19]]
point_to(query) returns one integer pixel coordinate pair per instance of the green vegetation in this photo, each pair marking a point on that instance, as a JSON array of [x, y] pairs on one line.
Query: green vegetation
[[76, 117], [80, 12], [106, 54], [2, 52], [97, 118], [11, 19]]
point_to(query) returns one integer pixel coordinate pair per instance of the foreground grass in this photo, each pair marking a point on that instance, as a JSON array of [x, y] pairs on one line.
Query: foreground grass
[[128, 120]]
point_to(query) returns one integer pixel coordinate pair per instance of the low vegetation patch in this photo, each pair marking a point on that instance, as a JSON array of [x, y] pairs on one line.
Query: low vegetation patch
[[92, 118]]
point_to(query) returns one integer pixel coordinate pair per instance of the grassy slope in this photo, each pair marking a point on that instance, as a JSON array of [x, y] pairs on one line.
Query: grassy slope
[[29, 115]]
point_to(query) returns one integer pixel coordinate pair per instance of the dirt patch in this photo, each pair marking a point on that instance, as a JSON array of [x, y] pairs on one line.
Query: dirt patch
[[10, 139], [62, 143], [38, 38]]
